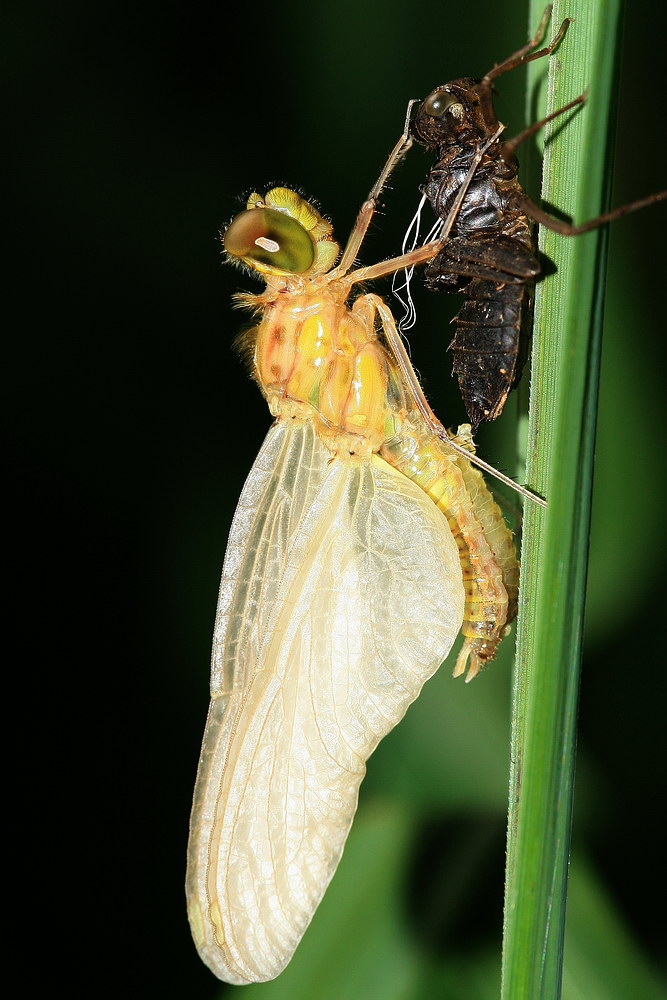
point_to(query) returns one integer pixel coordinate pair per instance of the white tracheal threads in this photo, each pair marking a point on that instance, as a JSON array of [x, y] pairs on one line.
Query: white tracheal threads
[[402, 280]]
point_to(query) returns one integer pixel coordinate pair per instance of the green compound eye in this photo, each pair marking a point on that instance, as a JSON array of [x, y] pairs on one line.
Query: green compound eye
[[272, 238], [439, 102]]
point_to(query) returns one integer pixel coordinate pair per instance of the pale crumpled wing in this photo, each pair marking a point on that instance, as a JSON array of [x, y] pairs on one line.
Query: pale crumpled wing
[[341, 595]]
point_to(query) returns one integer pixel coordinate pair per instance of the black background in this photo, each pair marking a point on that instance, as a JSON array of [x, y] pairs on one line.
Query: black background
[[134, 128]]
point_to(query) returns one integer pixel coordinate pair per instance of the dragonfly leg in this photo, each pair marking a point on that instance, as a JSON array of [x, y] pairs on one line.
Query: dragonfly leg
[[528, 207], [356, 238], [510, 145], [525, 53], [411, 384], [429, 250]]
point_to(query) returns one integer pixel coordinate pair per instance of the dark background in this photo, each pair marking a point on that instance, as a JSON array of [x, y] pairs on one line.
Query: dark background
[[134, 128]]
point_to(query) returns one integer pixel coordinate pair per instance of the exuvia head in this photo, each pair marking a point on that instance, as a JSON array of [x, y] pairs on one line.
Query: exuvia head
[[460, 110]]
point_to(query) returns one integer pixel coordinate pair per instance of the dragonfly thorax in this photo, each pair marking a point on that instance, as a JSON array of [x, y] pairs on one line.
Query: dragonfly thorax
[[314, 351]]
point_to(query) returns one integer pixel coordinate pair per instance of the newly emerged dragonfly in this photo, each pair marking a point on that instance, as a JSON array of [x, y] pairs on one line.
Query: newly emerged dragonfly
[[491, 254], [364, 541]]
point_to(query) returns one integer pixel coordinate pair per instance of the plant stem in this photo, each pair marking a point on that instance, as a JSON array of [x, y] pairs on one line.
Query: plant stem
[[563, 401]]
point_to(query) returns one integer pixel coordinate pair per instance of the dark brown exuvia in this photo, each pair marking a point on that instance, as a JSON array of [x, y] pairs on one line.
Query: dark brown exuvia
[[490, 252]]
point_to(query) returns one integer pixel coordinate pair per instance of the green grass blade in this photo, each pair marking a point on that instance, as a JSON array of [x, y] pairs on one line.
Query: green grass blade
[[560, 465]]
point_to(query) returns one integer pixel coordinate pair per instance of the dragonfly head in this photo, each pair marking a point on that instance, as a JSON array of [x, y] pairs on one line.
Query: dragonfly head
[[456, 112], [280, 233]]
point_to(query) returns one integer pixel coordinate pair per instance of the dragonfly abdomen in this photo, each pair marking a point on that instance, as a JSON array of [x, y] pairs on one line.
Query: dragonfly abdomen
[[423, 458]]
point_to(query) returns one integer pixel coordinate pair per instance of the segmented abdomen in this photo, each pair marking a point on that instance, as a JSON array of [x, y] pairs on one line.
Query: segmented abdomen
[[490, 574], [488, 346]]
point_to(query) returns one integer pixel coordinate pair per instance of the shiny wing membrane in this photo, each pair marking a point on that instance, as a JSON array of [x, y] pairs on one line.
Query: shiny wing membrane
[[341, 594]]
